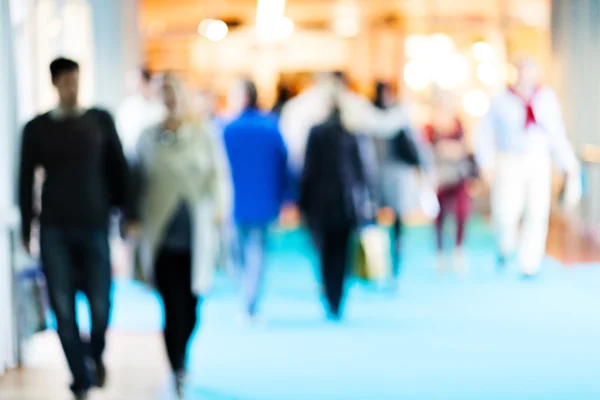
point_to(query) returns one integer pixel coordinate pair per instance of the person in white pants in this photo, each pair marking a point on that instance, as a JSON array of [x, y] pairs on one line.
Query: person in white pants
[[522, 133]]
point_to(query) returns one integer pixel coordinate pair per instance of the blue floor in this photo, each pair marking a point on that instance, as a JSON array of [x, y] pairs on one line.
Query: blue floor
[[482, 337]]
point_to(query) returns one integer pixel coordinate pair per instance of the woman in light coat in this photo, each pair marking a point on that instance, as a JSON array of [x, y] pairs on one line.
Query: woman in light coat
[[398, 183], [183, 194]]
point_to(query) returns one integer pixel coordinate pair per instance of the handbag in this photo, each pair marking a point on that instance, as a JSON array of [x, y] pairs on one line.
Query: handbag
[[404, 149], [572, 192], [450, 173], [428, 201], [374, 257], [33, 300]]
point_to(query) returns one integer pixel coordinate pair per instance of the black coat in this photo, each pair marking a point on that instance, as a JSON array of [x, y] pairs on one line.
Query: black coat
[[333, 184]]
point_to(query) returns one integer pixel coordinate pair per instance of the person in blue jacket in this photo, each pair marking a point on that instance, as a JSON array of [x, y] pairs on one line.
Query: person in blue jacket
[[259, 170]]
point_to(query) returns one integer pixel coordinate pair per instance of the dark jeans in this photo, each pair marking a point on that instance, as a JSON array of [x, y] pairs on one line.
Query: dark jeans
[[78, 259], [397, 229], [334, 262], [174, 283]]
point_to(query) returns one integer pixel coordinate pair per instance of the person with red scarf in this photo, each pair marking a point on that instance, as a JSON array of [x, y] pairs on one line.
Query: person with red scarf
[[453, 170], [519, 138]]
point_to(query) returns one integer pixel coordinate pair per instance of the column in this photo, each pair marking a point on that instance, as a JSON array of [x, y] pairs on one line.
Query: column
[[63, 28], [576, 57], [265, 72], [8, 128], [116, 48]]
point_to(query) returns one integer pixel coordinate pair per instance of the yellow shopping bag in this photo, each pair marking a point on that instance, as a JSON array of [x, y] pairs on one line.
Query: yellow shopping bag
[[373, 256]]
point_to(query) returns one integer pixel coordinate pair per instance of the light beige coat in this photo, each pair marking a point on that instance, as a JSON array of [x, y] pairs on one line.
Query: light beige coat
[[193, 169]]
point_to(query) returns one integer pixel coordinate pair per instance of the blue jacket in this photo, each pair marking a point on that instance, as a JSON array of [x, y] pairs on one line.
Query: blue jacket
[[258, 162]]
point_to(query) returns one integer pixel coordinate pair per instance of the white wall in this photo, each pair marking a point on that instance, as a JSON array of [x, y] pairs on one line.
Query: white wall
[[576, 60], [8, 128], [116, 48]]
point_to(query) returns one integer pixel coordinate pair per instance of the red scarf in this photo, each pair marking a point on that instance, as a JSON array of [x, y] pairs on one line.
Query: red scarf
[[529, 114]]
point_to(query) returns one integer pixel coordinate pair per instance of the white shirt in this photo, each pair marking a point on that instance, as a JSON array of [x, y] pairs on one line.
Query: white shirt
[[313, 106], [503, 129], [134, 116]]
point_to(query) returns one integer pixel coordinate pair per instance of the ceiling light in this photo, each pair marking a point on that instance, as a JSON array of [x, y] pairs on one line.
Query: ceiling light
[[346, 18], [203, 26], [286, 27], [217, 30], [346, 28]]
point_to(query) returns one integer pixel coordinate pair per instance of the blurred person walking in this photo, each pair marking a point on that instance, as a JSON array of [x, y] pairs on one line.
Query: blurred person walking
[[454, 169], [397, 158], [183, 195], [139, 111], [522, 133], [258, 162], [283, 96], [311, 107], [331, 200], [86, 177]]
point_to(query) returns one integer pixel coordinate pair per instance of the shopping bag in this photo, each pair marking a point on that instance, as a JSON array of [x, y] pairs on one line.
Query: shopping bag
[[572, 192], [32, 295], [374, 258], [428, 202]]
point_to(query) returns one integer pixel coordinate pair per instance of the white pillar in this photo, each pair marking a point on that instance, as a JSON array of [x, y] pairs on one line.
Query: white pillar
[[8, 128], [576, 57], [117, 48]]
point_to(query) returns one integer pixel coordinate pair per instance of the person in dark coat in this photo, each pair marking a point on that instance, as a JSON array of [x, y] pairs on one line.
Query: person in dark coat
[[331, 181], [86, 179]]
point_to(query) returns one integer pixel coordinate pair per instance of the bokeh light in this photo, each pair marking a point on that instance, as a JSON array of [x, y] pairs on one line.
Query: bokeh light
[[489, 73], [483, 51], [476, 103], [203, 26], [416, 47], [440, 45], [217, 30], [416, 75], [451, 71]]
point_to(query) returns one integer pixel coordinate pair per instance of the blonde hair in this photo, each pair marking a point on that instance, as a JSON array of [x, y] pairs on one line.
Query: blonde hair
[[183, 98]]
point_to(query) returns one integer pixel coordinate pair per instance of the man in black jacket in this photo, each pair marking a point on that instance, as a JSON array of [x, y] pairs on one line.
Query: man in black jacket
[[86, 176], [332, 201]]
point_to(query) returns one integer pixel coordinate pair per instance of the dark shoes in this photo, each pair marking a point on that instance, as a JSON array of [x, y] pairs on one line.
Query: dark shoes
[[80, 391], [99, 375], [81, 395], [180, 378]]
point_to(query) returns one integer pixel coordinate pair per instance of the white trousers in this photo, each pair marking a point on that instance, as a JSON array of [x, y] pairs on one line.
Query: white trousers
[[522, 192]]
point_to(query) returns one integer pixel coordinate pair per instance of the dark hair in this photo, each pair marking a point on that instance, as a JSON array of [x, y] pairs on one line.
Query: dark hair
[[380, 89], [341, 76], [61, 66], [283, 95], [146, 75], [252, 93]]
